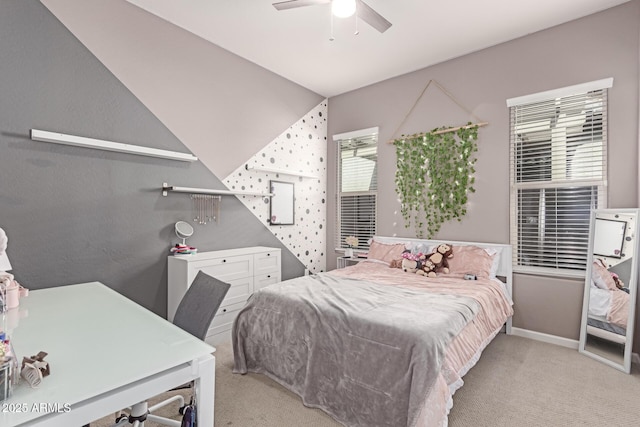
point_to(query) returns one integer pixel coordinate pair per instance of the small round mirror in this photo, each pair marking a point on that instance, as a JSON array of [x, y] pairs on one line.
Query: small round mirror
[[183, 230]]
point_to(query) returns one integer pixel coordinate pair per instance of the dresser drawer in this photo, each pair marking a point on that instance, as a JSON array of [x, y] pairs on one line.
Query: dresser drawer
[[238, 292], [224, 319], [234, 266], [266, 262], [262, 280], [227, 268]]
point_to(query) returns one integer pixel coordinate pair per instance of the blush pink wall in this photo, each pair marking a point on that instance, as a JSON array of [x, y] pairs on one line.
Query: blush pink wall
[[592, 48]]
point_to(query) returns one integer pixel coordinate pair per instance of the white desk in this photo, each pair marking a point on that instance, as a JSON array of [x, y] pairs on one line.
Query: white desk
[[106, 353]]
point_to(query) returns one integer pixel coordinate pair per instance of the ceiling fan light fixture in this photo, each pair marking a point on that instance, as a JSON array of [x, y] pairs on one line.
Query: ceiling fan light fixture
[[343, 8]]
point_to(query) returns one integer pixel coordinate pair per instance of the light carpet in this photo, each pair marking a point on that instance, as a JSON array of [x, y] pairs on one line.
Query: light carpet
[[518, 382]]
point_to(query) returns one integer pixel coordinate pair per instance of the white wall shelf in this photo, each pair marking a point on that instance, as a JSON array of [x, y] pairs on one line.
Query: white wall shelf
[[99, 144], [166, 188], [280, 171]]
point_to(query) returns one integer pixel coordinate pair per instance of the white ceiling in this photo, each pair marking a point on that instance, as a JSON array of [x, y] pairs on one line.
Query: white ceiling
[[295, 43]]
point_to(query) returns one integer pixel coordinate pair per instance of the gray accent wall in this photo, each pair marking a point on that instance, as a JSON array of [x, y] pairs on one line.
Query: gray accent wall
[[76, 215], [592, 48]]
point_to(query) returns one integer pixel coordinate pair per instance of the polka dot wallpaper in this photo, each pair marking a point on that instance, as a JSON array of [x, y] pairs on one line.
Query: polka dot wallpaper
[[300, 149]]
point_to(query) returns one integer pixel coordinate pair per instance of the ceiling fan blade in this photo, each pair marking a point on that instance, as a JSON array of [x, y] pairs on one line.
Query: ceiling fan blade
[[290, 4], [371, 17]]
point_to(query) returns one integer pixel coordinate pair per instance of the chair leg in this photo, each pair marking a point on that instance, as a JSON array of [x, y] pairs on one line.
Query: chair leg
[[164, 421], [157, 406]]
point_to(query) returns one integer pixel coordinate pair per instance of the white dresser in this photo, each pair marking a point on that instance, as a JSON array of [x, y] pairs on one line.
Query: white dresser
[[245, 269]]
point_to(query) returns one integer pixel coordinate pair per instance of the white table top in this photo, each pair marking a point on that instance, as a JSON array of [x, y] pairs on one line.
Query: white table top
[[97, 341]]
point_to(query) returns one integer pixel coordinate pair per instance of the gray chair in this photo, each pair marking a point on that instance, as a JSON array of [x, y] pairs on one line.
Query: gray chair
[[194, 314]]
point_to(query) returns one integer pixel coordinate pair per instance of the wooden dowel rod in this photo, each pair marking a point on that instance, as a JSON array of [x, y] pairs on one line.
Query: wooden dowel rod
[[439, 132]]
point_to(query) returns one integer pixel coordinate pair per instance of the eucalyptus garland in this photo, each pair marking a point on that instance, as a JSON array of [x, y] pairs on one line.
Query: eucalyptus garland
[[434, 176]]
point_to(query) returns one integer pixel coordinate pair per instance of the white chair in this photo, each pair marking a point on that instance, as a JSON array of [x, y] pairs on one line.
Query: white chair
[[194, 314]]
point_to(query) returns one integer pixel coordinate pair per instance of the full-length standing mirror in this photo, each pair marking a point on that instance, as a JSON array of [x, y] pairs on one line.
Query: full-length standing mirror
[[608, 311]]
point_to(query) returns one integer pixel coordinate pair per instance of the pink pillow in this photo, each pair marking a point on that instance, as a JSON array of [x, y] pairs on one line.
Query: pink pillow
[[602, 277], [470, 259], [385, 252]]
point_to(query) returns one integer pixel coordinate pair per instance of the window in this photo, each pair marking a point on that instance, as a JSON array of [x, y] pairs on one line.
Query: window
[[558, 156], [357, 163]]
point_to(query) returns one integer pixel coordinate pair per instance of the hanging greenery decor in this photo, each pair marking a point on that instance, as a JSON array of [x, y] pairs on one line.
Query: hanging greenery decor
[[434, 176]]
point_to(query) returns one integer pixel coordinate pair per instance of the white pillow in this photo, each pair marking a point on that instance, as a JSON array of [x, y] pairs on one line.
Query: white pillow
[[495, 253]]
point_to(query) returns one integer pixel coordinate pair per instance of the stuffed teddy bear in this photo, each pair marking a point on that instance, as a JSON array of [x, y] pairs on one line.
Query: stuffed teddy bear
[[438, 260], [396, 263]]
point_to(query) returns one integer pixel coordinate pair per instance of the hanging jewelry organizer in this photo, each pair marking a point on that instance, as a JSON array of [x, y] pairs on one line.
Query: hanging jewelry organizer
[[206, 202], [206, 208]]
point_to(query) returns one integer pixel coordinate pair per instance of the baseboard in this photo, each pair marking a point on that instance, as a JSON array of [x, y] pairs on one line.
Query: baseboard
[[540, 336], [553, 339]]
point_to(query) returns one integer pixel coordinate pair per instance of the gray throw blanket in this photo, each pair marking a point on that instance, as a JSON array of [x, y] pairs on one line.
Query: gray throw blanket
[[366, 354]]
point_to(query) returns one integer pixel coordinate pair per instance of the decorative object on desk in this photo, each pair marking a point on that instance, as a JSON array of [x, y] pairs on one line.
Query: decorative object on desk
[[352, 242], [8, 367], [9, 288], [10, 291], [5, 265], [31, 374], [34, 368], [39, 362]]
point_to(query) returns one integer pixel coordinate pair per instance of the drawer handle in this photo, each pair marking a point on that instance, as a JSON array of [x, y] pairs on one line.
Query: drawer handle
[[268, 276], [224, 260], [224, 310], [268, 254]]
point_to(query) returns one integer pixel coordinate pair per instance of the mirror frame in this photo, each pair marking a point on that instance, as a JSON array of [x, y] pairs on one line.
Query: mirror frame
[[282, 204], [625, 366]]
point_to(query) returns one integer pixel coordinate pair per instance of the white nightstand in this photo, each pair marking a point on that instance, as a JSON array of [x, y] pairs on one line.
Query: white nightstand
[[345, 261]]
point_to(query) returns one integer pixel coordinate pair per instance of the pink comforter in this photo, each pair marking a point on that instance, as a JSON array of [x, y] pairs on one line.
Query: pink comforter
[[464, 351], [619, 311]]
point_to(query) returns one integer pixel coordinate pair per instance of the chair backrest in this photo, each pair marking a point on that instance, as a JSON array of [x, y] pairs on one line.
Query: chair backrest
[[200, 304]]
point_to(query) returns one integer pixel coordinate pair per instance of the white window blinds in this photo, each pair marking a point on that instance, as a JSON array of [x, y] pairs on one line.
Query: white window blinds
[[558, 174], [357, 161]]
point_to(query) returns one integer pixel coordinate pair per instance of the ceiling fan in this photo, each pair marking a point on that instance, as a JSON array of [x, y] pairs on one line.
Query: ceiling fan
[[360, 8]]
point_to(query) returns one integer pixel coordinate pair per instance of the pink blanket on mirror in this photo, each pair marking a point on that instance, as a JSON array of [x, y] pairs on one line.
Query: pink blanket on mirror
[[619, 311]]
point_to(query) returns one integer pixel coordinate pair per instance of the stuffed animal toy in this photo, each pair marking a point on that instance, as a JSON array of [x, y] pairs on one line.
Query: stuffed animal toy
[[428, 268], [439, 259], [409, 265], [396, 263], [411, 262]]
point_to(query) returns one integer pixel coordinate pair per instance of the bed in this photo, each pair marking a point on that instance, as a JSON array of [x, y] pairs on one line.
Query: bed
[[373, 345]]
